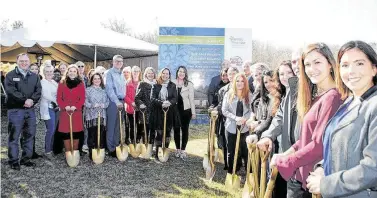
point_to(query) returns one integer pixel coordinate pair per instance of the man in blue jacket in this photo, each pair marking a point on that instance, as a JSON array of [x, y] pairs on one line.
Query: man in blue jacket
[[23, 89]]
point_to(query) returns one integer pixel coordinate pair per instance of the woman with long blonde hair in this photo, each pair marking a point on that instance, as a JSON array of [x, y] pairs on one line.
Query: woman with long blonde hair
[[236, 108], [71, 99]]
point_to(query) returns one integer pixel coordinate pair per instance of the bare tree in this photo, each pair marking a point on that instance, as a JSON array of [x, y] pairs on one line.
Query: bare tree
[[150, 37], [17, 25], [4, 25], [119, 26]]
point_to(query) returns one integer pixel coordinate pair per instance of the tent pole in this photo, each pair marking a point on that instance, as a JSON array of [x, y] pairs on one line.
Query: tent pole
[[95, 56]]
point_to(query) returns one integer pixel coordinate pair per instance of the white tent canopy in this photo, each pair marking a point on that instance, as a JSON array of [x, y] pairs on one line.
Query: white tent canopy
[[72, 44]]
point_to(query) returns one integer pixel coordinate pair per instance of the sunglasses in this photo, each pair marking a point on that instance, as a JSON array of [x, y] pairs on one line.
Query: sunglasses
[[80, 66]]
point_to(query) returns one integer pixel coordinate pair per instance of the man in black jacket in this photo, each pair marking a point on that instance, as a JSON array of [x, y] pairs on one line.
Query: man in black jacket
[[216, 81], [23, 89]]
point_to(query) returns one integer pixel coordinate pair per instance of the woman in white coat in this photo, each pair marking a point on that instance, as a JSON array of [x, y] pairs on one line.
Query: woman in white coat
[[48, 106]]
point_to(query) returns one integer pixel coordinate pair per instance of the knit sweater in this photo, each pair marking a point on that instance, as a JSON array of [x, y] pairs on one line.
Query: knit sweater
[[95, 95]]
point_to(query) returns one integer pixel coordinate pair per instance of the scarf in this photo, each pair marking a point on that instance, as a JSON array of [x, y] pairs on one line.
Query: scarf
[[164, 90], [151, 82], [73, 83]]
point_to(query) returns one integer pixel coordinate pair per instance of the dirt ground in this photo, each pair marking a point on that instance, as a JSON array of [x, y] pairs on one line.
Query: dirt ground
[[132, 178]]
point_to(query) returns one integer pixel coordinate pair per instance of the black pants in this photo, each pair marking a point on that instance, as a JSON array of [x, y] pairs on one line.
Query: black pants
[[185, 116], [130, 129], [242, 151], [221, 139], [295, 190], [92, 137]]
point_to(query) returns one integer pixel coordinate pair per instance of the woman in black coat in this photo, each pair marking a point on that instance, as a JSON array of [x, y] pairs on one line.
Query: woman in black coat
[[143, 102], [164, 95]]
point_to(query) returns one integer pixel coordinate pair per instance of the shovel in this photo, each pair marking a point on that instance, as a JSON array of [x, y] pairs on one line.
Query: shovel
[[255, 166], [210, 171], [271, 183], [137, 147], [248, 187], [98, 155], [130, 145], [146, 151], [232, 181], [206, 156], [264, 157], [72, 156], [121, 150], [163, 153]]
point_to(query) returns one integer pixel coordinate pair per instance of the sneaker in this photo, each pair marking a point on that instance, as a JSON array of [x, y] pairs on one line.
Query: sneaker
[[49, 155], [183, 155], [177, 153]]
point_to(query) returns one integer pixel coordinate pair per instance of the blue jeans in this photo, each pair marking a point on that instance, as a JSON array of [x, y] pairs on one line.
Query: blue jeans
[[113, 135], [16, 120], [50, 131]]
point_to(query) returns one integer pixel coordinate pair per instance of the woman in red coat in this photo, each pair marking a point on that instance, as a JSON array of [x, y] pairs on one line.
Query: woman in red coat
[[71, 98], [132, 85]]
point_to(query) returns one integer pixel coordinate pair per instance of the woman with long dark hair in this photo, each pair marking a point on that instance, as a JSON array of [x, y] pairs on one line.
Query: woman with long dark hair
[[164, 95], [220, 128], [96, 103], [349, 161], [317, 101], [186, 109]]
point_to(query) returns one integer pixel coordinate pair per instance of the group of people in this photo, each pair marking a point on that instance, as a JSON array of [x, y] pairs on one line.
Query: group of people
[[316, 114], [70, 102]]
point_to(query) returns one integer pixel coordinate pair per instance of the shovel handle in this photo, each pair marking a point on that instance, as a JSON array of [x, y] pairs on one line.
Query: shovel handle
[[135, 127], [70, 130], [98, 130], [120, 126], [164, 132], [236, 151], [145, 127]]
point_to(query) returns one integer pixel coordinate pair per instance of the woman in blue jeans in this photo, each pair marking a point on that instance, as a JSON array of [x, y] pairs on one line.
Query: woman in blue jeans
[[48, 105]]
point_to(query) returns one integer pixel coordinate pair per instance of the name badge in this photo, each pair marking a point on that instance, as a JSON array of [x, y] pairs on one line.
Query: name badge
[[16, 79]]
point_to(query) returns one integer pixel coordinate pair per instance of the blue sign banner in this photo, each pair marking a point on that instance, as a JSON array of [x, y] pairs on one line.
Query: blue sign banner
[[201, 51]]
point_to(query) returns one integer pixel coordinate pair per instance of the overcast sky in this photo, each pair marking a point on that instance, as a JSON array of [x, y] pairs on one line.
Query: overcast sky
[[288, 22]]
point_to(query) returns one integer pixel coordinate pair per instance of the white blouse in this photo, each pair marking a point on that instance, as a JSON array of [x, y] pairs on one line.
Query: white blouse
[[49, 90]]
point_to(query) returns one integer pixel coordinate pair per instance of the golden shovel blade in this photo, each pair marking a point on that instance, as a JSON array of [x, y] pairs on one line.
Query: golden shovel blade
[[98, 155], [122, 152], [248, 187], [219, 156], [210, 173], [163, 154], [134, 153], [73, 158], [232, 182], [205, 162], [148, 152], [141, 149]]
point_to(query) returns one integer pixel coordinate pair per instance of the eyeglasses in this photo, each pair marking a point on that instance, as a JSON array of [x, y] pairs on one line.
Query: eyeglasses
[[80, 66]]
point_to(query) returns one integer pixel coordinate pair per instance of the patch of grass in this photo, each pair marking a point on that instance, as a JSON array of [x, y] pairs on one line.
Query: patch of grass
[[198, 131]]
